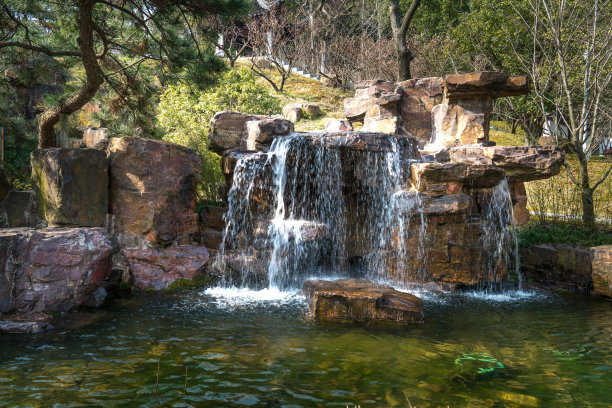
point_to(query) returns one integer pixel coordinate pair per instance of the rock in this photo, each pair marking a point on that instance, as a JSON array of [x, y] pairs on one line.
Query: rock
[[470, 175], [158, 268], [557, 266], [601, 261], [356, 108], [153, 188], [418, 99], [96, 138], [211, 238], [372, 88], [338, 125], [521, 163], [20, 209], [461, 122], [259, 134], [519, 203], [486, 83], [360, 299], [24, 327], [71, 186], [5, 183], [389, 126], [292, 113], [51, 269], [311, 111], [227, 130], [212, 217], [97, 298]]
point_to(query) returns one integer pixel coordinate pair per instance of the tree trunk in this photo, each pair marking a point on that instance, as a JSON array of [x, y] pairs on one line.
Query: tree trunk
[[588, 209], [48, 119], [404, 58]]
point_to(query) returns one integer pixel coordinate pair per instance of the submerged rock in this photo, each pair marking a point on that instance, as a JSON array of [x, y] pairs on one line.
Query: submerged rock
[[158, 268], [360, 299]]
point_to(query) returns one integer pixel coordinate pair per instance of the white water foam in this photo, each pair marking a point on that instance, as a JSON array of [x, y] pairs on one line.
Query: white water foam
[[235, 297], [506, 297]]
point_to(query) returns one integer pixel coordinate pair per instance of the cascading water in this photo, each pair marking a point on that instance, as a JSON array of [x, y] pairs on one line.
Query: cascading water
[[324, 205]]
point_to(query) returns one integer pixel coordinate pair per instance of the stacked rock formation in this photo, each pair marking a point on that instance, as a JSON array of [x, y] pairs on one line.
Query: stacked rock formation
[[123, 209]]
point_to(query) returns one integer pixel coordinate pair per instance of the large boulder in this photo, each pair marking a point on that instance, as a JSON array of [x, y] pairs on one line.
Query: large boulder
[[71, 186], [490, 84], [20, 209], [51, 269], [227, 130], [153, 188], [521, 163], [5, 183], [601, 262], [158, 268], [360, 299], [259, 134]]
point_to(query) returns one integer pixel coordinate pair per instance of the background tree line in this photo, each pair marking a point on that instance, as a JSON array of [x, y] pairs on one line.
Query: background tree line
[[111, 62]]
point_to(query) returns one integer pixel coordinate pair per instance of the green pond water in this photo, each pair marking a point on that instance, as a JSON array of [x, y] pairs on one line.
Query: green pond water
[[521, 349]]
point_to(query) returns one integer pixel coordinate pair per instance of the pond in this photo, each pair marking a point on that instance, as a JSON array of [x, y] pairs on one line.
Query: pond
[[474, 350]]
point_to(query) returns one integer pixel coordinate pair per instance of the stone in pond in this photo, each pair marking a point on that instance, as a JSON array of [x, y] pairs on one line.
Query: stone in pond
[[360, 299]]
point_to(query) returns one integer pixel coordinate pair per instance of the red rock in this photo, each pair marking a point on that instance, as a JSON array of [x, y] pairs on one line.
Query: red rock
[[158, 268], [51, 269], [360, 299], [153, 188]]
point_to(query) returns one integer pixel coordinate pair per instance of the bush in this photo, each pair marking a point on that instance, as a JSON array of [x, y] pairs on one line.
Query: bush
[[558, 233], [184, 114]]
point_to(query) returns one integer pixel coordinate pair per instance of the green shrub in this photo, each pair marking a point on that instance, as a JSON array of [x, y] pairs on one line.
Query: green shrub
[[558, 233], [184, 114]]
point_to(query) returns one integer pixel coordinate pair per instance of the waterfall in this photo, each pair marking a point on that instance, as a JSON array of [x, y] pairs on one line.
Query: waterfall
[[322, 205]]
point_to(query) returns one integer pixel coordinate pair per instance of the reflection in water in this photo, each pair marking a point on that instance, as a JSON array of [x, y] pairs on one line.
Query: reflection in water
[[555, 351]]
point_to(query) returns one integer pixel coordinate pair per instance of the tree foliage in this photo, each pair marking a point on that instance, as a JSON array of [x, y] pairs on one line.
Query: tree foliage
[[184, 114]]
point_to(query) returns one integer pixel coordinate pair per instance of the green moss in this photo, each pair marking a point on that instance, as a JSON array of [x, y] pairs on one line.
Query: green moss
[[559, 233], [198, 281]]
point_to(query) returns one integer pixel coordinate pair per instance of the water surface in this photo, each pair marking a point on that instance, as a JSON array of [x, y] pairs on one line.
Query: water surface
[[522, 349]]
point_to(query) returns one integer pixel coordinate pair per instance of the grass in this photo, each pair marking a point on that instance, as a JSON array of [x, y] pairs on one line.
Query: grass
[[198, 281], [299, 89], [556, 233]]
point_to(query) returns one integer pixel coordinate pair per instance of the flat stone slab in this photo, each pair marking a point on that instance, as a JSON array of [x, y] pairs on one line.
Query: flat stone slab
[[361, 299], [521, 163]]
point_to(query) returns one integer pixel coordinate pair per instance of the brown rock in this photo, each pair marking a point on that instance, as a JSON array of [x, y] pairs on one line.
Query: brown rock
[[51, 269], [418, 99], [212, 217], [338, 126], [360, 299], [557, 265], [227, 130], [462, 122], [158, 268], [5, 183], [292, 113], [96, 138], [519, 203], [601, 261], [153, 188], [472, 176], [356, 108], [259, 134], [372, 88], [311, 110], [71, 186], [493, 84], [521, 163], [20, 209]]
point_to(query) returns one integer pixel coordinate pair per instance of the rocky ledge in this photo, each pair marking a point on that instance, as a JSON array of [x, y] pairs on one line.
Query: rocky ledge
[[361, 299]]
